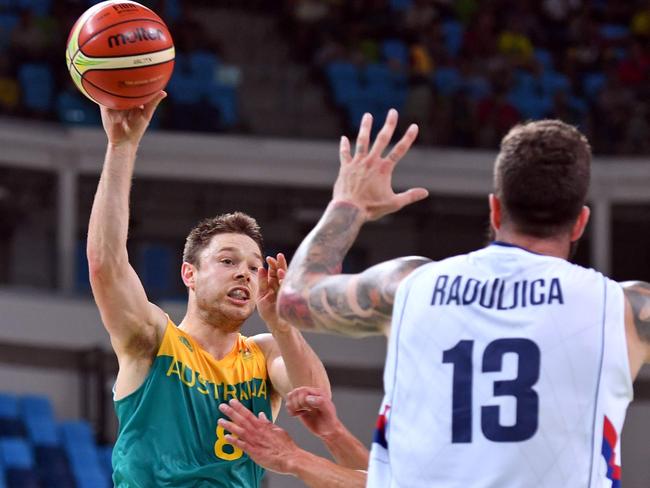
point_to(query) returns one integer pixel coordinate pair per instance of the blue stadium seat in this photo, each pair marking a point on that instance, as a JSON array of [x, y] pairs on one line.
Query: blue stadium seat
[[74, 109], [593, 83], [76, 432], [531, 106], [105, 454], [8, 22], [396, 50], [545, 58], [553, 82], [203, 65], [224, 98], [156, 268], [36, 406], [42, 431], [344, 80], [16, 453], [172, 11], [185, 90], [37, 86], [447, 80], [9, 406], [92, 478], [477, 87], [614, 31], [10, 423], [453, 32]]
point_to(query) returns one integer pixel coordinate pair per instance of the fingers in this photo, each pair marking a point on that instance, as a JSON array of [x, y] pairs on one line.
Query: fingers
[[232, 427], [363, 138], [385, 134], [239, 414], [150, 107], [404, 144], [282, 262], [411, 196], [344, 150]]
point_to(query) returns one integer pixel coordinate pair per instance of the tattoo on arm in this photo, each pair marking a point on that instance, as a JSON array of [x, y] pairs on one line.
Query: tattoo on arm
[[315, 296], [359, 305], [638, 294]]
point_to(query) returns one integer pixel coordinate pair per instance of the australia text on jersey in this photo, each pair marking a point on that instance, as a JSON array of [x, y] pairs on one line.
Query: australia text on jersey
[[496, 293], [255, 387]]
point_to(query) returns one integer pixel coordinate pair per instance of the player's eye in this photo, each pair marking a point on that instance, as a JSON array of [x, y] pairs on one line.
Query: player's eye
[[227, 261]]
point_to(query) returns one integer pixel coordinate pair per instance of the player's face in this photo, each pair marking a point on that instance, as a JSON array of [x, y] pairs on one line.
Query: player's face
[[226, 281]]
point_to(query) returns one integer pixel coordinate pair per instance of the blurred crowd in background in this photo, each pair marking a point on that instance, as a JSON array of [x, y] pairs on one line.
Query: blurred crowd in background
[[465, 70]]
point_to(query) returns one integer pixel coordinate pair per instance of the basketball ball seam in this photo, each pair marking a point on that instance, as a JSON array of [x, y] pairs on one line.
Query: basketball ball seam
[[113, 25], [115, 94], [129, 68]]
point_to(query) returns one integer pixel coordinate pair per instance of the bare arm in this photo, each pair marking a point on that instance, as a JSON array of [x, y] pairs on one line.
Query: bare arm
[[637, 323], [130, 319], [318, 413], [291, 362], [314, 295], [271, 447]]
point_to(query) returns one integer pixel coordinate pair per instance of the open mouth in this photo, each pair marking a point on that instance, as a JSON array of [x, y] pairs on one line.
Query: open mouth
[[239, 293]]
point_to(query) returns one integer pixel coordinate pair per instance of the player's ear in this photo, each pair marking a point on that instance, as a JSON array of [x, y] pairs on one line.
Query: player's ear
[[495, 211], [188, 274], [580, 224]]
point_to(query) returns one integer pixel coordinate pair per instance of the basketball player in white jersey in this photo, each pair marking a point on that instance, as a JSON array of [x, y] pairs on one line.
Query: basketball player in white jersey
[[506, 367]]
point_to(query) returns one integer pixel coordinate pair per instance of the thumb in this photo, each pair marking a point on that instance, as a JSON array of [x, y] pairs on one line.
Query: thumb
[[411, 196], [150, 107], [314, 401]]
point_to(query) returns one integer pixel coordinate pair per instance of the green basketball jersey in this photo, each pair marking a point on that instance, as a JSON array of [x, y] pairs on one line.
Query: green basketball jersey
[[168, 433]]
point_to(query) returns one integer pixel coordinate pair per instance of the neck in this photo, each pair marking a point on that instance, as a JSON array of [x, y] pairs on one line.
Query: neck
[[212, 338], [557, 246]]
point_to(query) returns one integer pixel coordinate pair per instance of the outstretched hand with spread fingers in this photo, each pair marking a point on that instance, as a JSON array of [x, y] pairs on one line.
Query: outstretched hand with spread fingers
[[365, 178], [128, 126]]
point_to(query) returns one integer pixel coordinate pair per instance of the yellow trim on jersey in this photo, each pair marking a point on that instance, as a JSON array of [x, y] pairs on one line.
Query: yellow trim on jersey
[[243, 363]]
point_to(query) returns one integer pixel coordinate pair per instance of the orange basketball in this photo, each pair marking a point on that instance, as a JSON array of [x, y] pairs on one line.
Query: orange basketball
[[120, 54]]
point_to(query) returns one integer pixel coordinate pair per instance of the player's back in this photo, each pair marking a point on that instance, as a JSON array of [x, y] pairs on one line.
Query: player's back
[[505, 368]]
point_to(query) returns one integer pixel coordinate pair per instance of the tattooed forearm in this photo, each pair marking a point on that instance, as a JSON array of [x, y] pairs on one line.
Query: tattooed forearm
[[314, 296], [360, 305], [323, 250], [638, 294]]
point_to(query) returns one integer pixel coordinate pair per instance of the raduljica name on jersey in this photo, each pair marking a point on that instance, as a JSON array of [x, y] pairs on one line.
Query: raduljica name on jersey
[[496, 293]]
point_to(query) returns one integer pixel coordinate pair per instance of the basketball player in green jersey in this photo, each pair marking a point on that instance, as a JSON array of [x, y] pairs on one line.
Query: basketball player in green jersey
[[171, 379]]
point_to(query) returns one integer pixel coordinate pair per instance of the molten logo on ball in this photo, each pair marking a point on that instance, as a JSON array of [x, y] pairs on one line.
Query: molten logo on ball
[[120, 54], [137, 35]]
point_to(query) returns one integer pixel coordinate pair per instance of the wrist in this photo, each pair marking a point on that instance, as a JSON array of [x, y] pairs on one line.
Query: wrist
[[280, 327], [294, 464], [123, 146], [334, 434], [361, 215]]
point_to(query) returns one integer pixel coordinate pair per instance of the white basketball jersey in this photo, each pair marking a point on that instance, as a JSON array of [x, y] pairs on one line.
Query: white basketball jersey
[[505, 368]]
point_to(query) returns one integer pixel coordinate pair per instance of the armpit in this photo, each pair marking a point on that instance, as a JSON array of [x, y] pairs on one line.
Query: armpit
[[638, 295]]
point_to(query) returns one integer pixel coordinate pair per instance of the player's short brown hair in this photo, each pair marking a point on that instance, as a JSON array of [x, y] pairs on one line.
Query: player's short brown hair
[[201, 235], [541, 176]]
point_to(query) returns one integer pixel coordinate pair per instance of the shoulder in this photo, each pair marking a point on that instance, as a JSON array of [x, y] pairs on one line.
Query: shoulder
[[264, 342]]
